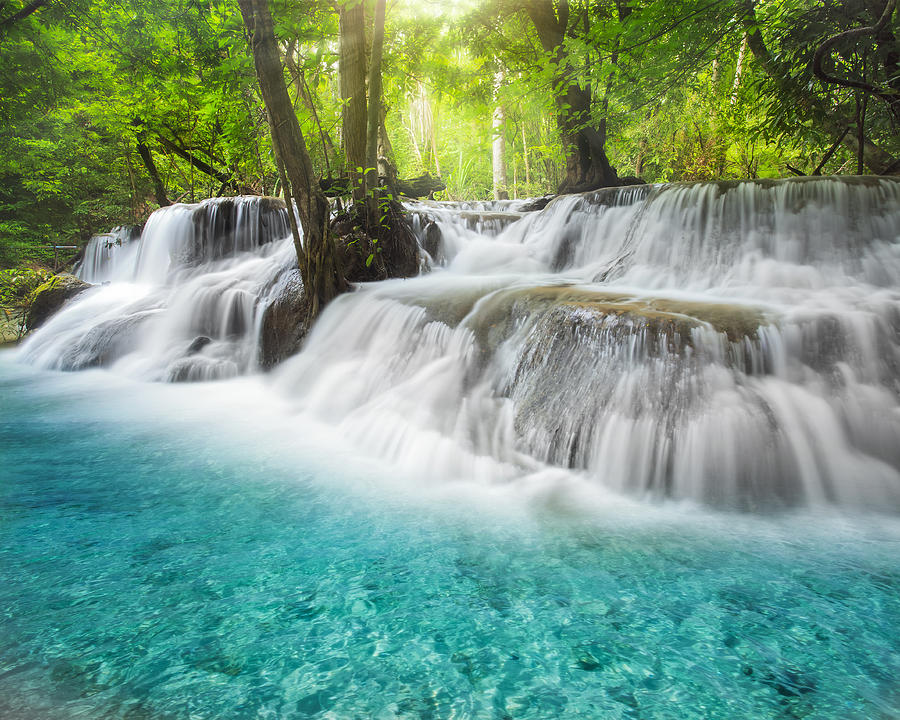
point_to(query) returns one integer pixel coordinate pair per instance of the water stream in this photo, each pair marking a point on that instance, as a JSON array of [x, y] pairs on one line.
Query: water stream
[[634, 455], [732, 344]]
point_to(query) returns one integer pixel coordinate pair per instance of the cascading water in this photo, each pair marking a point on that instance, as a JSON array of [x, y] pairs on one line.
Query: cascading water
[[736, 344], [183, 302], [106, 252]]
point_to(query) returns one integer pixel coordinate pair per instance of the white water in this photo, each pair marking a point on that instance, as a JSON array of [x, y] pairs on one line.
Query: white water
[[182, 303], [737, 345]]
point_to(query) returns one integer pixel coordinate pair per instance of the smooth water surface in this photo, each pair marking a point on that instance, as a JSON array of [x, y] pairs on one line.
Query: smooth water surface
[[175, 552]]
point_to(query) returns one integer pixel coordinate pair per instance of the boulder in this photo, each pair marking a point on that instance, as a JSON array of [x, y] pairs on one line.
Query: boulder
[[51, 296], [285, 320]]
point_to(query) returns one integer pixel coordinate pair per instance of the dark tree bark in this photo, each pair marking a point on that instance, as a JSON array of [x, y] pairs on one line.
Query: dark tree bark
[[352, 67], [316, 256], [586, 163], [159, 190]]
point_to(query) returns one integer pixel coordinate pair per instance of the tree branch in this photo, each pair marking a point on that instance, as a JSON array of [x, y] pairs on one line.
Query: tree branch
[[826, 47], [31, 7]]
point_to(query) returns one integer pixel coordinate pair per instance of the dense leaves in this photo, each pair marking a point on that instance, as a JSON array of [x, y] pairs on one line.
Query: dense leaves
[[110, 107]]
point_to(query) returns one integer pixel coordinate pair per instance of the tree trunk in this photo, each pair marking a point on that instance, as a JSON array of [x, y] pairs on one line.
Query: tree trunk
[[525, 159], [352, 67], [498, 145], [735, 86], [159, 190], [586, 163], [316, 257], [387, 167]]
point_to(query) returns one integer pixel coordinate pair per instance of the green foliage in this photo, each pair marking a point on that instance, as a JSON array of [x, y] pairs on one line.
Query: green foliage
[[85, 81], [17, 285]]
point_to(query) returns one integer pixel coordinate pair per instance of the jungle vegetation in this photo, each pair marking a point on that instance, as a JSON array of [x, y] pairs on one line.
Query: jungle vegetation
[[112, 108]]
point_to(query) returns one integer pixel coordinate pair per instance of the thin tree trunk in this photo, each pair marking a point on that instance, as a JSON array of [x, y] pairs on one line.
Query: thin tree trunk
[[738, 70], [159, 189], [525, 158], [387, 167], [316, 256], [498, 144], [305, 96]]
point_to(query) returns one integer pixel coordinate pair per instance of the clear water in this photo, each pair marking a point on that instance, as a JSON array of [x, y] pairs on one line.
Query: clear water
[[172, 552]]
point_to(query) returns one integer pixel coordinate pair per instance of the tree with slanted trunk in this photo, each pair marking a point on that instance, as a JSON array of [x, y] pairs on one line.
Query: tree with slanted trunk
[[316, 253]]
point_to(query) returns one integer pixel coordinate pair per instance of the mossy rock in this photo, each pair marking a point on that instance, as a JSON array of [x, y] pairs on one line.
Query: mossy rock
[[664, 317], [51, 296], [11, 321]]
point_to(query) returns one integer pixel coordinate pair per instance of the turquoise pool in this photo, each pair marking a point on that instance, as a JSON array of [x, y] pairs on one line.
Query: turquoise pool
[[173, 552]]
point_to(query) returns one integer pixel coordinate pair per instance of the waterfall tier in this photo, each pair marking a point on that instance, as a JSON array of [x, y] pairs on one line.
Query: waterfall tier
[[736, 344]]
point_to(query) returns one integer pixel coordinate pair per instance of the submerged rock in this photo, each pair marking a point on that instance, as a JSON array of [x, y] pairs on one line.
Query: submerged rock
[[105, 342], [51, 296], [433, 242]]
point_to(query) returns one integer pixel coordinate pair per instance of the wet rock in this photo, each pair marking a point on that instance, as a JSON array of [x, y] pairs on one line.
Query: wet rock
[[537, 204], [51, 296], [104, 343], [631, 180], [433, 242], [354, 252], [285, 320], [200, 369], [669, 323], [389, 250], [197, 344]]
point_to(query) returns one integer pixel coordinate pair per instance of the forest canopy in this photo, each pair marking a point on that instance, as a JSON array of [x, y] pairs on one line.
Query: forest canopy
[[111, 108]]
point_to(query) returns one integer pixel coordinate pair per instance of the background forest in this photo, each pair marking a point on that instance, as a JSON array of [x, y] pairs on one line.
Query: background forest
[[110, 108]]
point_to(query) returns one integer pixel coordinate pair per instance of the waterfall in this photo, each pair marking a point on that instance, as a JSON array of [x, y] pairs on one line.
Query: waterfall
[[181, 302], [106, 252], [735, 344]]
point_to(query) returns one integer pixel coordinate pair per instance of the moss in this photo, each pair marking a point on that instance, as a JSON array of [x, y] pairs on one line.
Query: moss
[[50, 297], [676, 318]]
